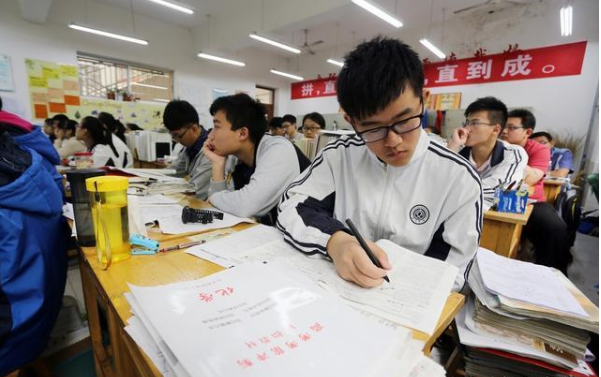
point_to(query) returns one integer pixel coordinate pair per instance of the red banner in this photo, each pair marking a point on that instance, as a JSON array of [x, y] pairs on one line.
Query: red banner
[[321, 87], [561, 60]]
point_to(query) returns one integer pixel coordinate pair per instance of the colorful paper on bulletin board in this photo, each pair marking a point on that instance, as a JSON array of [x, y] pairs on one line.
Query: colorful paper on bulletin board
[[6, 74], [444, 101], [40, 111], [146, 115], [53, 87]]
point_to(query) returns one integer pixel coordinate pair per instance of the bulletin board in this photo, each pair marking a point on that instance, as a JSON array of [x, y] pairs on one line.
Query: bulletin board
[[53, 88], [146, 115], [444, 101], [6, 74]]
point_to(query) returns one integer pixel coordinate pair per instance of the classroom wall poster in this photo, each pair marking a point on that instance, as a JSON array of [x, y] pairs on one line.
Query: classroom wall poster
[[53, 88], [6, 74], [146, 115], [537, 63], [444, 101], [320, 87]]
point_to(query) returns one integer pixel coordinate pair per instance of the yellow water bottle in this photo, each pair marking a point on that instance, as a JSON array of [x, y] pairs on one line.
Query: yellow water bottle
[[108, 202]]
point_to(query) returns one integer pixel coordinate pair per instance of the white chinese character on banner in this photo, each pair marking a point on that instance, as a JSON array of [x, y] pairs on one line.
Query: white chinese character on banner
[[307, 89], [330, 87], [517, 66], [446, 73], [479, 70]]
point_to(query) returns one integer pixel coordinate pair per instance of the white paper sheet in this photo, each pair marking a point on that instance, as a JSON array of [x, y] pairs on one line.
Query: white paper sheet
[[526, 282], [156, 199], [174, 225], [68, 211], [151, 213], [262, 320]]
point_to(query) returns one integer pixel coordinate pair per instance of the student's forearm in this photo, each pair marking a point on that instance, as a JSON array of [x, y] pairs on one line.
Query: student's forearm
[[532, 176], [218, 172], [559, 173], [454, 146]]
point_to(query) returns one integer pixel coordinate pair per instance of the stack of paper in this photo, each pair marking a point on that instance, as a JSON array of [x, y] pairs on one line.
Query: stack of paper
[[265, 320], [528, 311], [415, 297]]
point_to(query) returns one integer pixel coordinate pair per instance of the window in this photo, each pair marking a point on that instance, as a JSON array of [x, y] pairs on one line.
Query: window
[[106, 78]]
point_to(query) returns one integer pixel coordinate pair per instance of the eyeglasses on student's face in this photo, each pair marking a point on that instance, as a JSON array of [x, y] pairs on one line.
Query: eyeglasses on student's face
[[513, 128], [311, 129], [475, 123], [401, 127], [175, 135]]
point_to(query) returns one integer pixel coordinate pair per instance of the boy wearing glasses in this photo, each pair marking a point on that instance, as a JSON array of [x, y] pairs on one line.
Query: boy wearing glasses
[[495, 161], [181, 119], [390, 179]]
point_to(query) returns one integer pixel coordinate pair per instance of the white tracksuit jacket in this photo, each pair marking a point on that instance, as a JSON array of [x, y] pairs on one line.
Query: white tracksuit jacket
[[432, 205]]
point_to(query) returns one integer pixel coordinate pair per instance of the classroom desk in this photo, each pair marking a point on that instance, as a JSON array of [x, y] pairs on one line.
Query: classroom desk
[[501, 231], [138, 164], [115, 353], [552, 188]]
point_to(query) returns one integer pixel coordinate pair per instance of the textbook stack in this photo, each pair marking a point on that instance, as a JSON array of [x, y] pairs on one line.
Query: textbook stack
[[524, 320], [261, 319]]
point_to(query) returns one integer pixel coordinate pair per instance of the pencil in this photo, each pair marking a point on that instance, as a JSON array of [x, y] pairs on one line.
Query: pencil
[[363, 244]]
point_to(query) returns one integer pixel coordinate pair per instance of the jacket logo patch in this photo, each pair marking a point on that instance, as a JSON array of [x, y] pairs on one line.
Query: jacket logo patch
[[419, 214]]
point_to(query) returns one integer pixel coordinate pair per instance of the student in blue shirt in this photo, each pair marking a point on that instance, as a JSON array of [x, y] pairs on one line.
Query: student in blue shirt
[[561, 158]]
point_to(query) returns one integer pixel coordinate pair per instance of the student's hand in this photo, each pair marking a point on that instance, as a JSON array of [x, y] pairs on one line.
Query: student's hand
[[215, 158], [458, 139], [353, 264], [59, 133]]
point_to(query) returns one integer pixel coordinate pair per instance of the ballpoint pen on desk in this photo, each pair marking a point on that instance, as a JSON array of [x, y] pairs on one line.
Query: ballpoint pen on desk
[[363, 244], [181, 246]]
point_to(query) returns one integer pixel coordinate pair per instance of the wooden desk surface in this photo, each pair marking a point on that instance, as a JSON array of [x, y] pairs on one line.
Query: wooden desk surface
[[514, 218]]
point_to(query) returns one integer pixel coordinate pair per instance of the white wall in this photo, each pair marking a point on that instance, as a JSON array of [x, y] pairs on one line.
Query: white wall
[[170, 47], [561, 105]]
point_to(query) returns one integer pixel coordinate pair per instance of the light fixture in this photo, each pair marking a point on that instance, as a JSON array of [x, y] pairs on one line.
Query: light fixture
[[378, 12], [565, 16], [161, 100], [220, 59], [149, 86], [286, 75], [107, 34], [336, 62], [432, 48], [274, 43], [173, 6]]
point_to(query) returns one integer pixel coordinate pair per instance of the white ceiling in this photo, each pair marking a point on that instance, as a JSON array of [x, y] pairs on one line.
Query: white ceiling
[[342, 23]]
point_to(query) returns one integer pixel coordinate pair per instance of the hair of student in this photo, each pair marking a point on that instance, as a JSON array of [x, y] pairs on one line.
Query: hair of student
[[497, 111], [99, 133], [133, 127], [179, 114], [544, 134], [289, 118], [62, 120], [69, 125], [375, 74], [317, 118], [528, 119], [112, 124], [48, 121], [1, 104], [276, 122], [243, 111]]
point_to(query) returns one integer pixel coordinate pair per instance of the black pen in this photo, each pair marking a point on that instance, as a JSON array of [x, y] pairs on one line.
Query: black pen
[[363, 244]]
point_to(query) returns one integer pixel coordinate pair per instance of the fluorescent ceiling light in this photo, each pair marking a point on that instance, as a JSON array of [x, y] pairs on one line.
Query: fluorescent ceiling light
[[336, 62], [221, 60], [274, 43], [565, 16], [108, 35], [432, 48], [378, 12], [161, 100], [173, 6], [286, 75], [149, 86]]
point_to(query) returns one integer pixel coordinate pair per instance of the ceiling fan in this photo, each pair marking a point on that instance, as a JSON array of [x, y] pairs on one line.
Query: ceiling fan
[[308, 46], [489, 6]]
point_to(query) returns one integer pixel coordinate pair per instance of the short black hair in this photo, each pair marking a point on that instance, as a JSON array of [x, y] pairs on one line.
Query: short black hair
[[1, 104], [375, 74], [69, 125], [497, 111], [317, 118], [528, 119], [544, 134], [289, 118], [62, 120], [243, 111], [179, 114], [134, 127], [276, 122]]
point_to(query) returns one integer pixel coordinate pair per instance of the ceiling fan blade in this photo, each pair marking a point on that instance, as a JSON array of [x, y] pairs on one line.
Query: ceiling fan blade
[[468, 8], [316, 43]]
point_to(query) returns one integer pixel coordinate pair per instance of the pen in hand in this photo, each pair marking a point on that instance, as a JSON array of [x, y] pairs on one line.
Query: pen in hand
[[363, 244]]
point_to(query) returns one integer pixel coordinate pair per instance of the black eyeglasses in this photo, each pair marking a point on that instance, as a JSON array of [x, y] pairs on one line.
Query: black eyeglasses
[[179, 136], [401, 127], [475, 123]]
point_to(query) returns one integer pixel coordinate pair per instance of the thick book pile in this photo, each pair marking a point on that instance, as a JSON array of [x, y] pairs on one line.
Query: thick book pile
[[266, 320], [524, 320]]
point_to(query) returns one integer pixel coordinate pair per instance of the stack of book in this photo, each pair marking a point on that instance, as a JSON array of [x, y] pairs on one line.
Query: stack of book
[[524, 320], [261, 319]]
